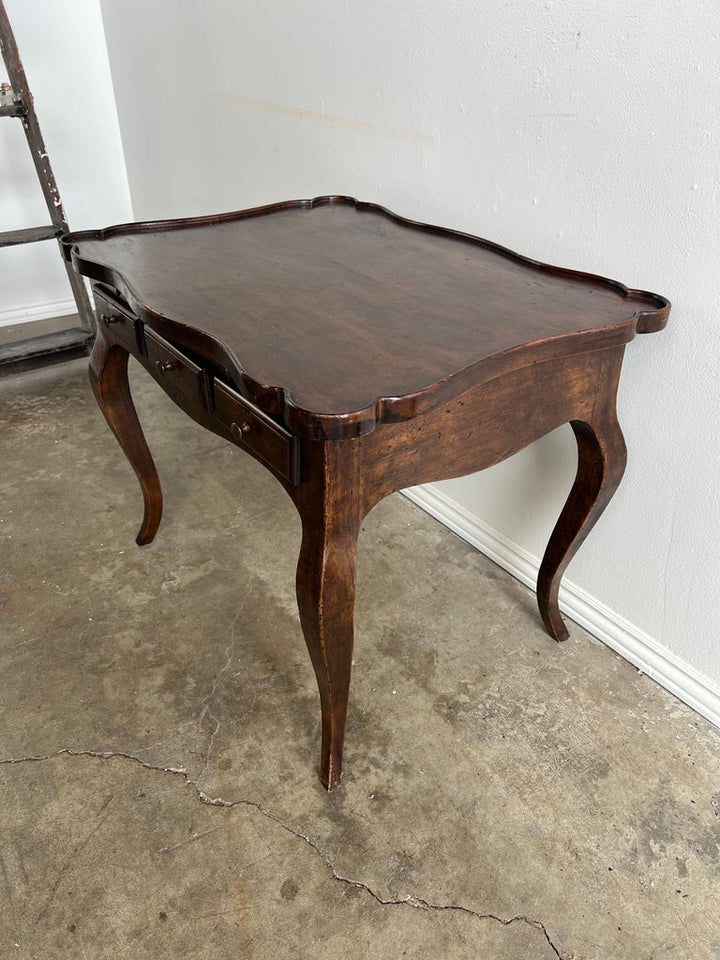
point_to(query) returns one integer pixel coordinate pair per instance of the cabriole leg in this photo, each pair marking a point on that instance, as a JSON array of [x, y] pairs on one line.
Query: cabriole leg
[[109, 380], [601, 464], [326, 598]]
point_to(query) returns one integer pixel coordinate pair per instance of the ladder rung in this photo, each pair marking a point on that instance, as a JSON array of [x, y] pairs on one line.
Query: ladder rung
[[12, 110], [9, 238]]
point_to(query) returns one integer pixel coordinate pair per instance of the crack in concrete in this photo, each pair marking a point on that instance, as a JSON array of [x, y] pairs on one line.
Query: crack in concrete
[[191, 839], [418, 903], [410, 901], [77, 849], [208, 699]]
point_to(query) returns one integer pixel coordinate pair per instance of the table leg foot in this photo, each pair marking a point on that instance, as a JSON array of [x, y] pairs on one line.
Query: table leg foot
[[326, 601], [601, 464], [109, 380]]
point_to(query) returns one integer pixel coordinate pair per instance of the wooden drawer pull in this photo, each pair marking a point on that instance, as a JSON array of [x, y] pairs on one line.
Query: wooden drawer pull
[[256, 432], [164, 365], [238, 429]]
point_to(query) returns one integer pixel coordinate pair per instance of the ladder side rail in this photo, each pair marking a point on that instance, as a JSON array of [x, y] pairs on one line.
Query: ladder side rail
[[46, 177]]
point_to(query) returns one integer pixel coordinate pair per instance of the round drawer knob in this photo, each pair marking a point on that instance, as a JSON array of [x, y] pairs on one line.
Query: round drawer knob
[[107, 320], [164, 365], [238, 430]]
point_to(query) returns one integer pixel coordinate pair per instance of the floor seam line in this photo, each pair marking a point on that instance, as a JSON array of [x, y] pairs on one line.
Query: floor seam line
[[417, 903]]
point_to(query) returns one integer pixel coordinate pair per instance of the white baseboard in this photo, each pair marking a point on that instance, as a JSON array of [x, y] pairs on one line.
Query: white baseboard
[[632, 643], [29, 312]]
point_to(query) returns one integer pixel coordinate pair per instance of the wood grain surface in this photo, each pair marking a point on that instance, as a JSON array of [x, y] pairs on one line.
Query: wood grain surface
[[334, 314]]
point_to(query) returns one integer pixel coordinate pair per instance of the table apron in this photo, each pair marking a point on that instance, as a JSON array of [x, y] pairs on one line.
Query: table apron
[[490, 422], [189, 387]]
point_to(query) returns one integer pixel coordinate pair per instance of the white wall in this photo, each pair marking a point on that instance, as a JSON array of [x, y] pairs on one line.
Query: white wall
[[62, 47], [580, 133]]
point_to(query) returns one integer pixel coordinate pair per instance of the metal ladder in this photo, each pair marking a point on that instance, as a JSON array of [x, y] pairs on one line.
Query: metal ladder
[[17, 101]]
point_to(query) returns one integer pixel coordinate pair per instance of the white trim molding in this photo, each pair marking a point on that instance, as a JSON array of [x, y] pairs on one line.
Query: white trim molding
[[632, 643], [29, 312]]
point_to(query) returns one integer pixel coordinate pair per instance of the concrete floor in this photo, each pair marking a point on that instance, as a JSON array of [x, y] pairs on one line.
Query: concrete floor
[[504, 796]]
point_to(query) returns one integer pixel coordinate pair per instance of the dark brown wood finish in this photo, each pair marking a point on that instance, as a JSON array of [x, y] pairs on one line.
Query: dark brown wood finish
[[371, 317], [354, 353]]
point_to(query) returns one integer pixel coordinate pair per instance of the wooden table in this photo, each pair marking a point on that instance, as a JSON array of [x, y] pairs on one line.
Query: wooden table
[[353, 353]]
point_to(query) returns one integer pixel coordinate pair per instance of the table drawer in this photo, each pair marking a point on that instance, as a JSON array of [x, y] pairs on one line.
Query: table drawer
[[253, 430], [180, 377], [120, 324]]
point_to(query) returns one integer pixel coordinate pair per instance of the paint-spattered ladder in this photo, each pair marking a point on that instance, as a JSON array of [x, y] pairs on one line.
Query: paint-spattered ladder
[[17, 101]]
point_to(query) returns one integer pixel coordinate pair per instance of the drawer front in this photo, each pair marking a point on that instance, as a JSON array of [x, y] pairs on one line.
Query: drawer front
[[120, 324], [181, 379], [255, 431]]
